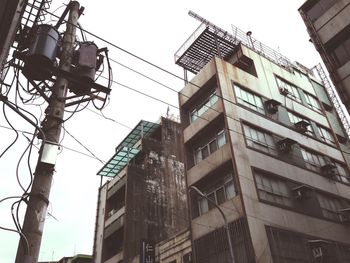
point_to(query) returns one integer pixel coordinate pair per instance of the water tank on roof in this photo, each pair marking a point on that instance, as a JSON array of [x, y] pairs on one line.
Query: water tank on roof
[[42, 52]]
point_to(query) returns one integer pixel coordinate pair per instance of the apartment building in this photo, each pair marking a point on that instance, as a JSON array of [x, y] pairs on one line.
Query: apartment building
[[144, 202], [264, 143], [328, 24]]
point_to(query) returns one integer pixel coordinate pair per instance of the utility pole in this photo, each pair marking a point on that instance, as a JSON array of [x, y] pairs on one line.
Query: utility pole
[[39, 196]]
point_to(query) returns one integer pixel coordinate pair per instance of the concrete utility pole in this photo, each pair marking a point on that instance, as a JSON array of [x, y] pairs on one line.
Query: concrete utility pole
[[39, 196]]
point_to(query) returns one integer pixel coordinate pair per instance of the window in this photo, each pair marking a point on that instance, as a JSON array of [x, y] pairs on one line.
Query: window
[[326, 136], [204, 151], [341, 173], [203, 107], [218, 195], [341, 53], [312, 102], [319, 8], [312, 160], [187, 258], [273, 190], [259, 140], [249, 99], [295, 119], [292, 90], [330, 206]]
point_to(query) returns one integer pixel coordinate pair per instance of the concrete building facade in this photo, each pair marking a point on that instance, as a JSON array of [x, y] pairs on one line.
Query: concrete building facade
[[176, 249], [264, 142], [328, 24], [145, 201]]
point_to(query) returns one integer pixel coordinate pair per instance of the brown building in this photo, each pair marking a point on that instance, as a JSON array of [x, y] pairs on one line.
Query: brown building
[[328, 24], [145, 200], [264, 143]]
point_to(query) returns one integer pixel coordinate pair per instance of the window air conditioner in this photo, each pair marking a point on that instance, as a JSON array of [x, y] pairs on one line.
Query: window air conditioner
[[318, 247], [328, 170], [302, 192], [285, 144], [271, 106], [301, 126], [284, 91]]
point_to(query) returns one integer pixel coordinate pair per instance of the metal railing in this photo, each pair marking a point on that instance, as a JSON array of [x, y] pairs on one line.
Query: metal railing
[[262, 49]]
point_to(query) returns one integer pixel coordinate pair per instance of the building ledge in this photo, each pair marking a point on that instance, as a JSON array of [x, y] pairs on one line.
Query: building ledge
[[209, 164]]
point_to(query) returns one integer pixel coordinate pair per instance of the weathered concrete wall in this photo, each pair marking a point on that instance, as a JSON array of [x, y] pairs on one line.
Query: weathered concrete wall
[[156, 204]]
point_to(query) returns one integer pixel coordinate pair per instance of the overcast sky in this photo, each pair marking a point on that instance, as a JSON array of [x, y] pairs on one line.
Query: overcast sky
[[152, 30]]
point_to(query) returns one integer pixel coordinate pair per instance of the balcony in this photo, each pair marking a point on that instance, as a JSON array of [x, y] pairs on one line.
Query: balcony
[[113, 215]]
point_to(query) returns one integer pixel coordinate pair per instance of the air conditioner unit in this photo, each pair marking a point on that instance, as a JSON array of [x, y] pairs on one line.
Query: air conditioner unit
[[302, 192], [285, 144], [345, 215], [317, 252], [283, 91], [271, 106], [319, 247], [328, 170], [301, 126]]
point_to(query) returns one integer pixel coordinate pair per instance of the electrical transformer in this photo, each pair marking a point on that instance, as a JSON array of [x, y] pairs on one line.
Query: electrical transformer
[[85, 67], [42, 52]]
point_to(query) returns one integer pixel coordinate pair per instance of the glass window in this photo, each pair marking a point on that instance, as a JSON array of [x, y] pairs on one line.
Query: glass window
[[312, 160], [187, 258], [259, 140], [341, 173], [293, 92], [204, 151], [273, 189], [218, 194], [326, 136], [249, 99], [203, 206], [312, 102], [341, 53], [203, 107], [319, 8], [330, 206], [230, 191], [295, 119]]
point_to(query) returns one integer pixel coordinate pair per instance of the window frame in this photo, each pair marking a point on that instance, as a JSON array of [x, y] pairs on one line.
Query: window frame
[[285, 198], [312, 102], [293, 91], [326, 135], [207, 147], [213, 191], [295, 118], [267, 145], [257, 103], [204, 106]]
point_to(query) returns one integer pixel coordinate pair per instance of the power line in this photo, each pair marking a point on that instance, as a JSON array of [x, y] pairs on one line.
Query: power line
[[84, 146], [65, 147]]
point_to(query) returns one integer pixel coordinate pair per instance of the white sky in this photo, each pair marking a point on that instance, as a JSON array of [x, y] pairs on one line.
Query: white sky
[[153, 30]]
